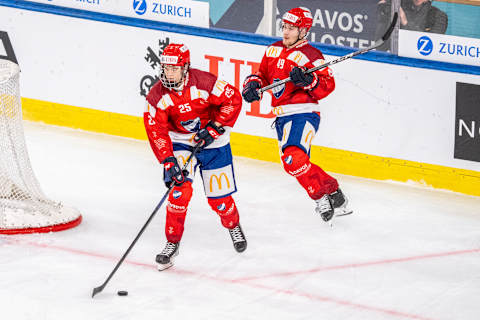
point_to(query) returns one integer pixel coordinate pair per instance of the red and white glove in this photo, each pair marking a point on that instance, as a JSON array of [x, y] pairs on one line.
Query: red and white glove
[[208, 134], [172, 173]]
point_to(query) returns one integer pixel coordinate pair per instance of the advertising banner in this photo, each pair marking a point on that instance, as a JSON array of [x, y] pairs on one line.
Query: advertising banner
[[350, 23], [193, 13], [377, 109], [439, 47], [467, 122]]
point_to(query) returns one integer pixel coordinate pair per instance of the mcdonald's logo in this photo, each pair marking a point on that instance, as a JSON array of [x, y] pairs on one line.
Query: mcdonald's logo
[[219, 181], [277, 111], [273, 51], [183, 160], [298, 57]]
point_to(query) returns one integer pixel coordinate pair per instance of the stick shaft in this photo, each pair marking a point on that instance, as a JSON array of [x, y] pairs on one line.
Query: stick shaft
[[100, 288]]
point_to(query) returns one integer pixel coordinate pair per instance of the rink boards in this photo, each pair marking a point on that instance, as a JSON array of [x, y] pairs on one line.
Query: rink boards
[[383, 121]]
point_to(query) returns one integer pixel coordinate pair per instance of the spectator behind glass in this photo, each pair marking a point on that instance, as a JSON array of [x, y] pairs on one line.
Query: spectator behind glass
[[415, 15], [420, 15]]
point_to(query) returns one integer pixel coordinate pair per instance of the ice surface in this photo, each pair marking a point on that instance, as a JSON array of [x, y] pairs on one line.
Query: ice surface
[[406, 253]]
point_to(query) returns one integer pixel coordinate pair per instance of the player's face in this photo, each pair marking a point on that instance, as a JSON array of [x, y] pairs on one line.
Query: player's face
[[173, 73], [290, 34]]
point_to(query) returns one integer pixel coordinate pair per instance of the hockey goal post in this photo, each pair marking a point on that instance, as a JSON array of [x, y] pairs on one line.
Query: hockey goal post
[[23, 206]]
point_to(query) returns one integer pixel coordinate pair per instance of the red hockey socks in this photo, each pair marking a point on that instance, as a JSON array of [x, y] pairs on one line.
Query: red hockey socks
[[226, 209], [310, 176], [177, 205]]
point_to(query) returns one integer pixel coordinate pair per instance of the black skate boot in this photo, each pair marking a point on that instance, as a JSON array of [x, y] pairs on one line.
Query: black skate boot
[[165, 258], [340, 202], [238, 238], [325, 207]]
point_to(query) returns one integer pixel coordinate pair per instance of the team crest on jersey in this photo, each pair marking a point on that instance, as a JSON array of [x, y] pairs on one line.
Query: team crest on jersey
[[278, 91], [177, 194], [221, 207], [191, 125]]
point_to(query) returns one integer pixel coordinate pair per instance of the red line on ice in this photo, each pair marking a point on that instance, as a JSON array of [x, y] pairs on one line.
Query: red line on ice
[[248, 280], [360, 265]]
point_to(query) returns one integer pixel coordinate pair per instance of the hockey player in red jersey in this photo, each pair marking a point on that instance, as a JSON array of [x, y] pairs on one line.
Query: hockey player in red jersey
[[296, 106], [187, 107]]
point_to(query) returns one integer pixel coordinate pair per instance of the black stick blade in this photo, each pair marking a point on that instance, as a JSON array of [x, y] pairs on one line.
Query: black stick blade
[[390, 29], [97, 290]]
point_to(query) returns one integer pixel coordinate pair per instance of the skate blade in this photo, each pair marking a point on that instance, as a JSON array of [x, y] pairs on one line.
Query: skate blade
[[162, 267], [343, 213], [340, 213]]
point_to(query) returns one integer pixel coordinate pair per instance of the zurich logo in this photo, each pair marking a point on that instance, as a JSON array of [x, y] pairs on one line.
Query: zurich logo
[[177, 194], [140, 6], [221, 207], [288, 160], [425, 46]]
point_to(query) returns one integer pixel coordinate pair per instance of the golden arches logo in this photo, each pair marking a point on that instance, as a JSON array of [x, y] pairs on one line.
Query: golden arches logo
[[277, 111], [273, 52], [298, 57], [183, 160], [219, 181], [220, 85]]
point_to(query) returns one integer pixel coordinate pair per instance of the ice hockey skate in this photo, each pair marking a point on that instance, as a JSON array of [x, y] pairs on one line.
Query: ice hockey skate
[[340, 203], [333, 204], [238, 238], [166, 257]]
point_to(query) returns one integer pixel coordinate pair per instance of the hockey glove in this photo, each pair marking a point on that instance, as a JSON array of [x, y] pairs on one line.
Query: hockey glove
[[207, 135], [172, 173], [250, 88], [301, 79]]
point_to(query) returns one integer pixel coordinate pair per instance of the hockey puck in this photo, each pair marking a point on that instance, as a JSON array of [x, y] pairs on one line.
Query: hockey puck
[[122, 293]]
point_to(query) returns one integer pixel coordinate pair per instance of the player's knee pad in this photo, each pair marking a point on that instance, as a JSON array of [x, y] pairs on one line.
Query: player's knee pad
[[179, 198], [227, 210], [295, 161], [223, 206]]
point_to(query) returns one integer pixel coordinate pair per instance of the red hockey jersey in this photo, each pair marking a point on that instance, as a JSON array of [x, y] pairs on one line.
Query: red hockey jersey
[[288, 98], [178, 115]]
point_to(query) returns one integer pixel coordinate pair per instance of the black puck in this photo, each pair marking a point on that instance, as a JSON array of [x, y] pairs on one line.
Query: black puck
[[122, 293]]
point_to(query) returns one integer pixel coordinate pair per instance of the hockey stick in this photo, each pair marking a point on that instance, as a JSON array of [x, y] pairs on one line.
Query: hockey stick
[[340, 59], [100, 288]]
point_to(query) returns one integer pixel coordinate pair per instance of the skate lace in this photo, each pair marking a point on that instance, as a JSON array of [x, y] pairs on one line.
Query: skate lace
[[236, 234], [169, 248], [323, 204]]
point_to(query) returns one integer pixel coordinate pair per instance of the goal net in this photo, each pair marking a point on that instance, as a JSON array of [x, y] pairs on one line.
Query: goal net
[[23, 206]]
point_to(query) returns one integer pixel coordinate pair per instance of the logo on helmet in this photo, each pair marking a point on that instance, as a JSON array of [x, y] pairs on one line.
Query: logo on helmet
[[140, 7], [290, 17], [169, 59]]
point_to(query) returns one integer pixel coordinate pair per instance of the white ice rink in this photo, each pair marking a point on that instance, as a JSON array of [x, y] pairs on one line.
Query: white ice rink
[[408, 252]]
